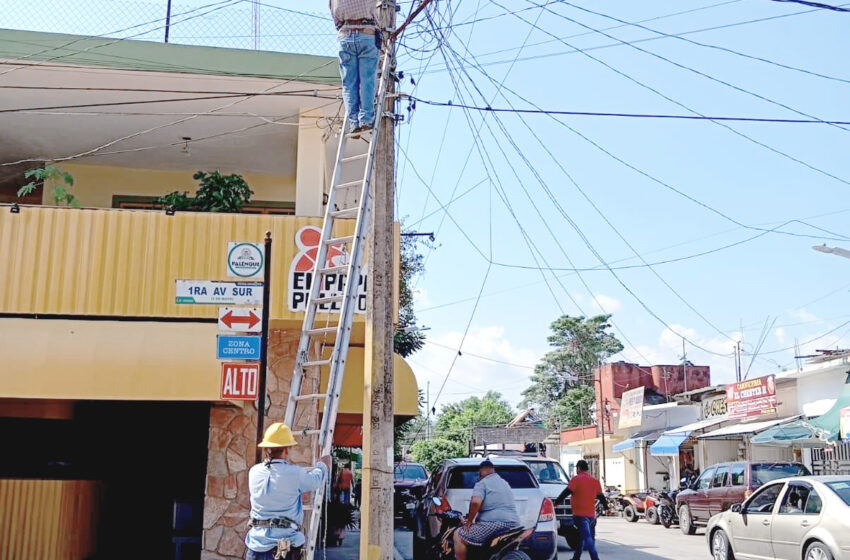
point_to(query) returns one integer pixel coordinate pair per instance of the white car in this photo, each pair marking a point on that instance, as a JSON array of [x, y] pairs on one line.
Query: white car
[[801, 518]]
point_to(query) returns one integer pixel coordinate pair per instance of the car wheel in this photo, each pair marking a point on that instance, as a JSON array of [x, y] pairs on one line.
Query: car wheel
[[686, 523], [630, 515], [720, 548], [515, 555], [652, 516], [818, 551]]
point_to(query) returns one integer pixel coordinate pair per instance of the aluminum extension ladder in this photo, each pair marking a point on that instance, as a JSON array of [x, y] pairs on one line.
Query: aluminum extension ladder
[[338, 335]]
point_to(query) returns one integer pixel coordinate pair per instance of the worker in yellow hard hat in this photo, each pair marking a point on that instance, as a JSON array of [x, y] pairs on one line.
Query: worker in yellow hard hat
[[276, 485]]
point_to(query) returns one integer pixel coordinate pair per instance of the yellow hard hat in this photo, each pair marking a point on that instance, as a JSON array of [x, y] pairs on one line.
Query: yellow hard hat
[[278, 435]]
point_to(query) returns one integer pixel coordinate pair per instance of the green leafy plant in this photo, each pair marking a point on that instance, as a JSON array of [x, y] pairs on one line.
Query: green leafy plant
[[458, 420], [62, 182], [432, 451], [216, 193]]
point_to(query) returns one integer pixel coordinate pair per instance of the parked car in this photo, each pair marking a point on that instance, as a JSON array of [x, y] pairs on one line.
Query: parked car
[[724, 484], [553, 481], [409, 480], [452, 483], [786, 519]]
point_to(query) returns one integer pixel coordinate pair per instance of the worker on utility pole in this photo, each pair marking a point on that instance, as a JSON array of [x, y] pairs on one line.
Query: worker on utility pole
[[359, 44], [276, 485]]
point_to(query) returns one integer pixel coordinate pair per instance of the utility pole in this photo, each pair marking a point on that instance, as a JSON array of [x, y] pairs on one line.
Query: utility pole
[[601, 420], [685, 364], [376, 525], [428, 410]]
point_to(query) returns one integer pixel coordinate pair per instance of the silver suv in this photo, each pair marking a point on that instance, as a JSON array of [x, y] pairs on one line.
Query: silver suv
[[454, 479]]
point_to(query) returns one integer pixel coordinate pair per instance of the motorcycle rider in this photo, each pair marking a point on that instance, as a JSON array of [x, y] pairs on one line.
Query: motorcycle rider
[[585, 490], [491, 511]]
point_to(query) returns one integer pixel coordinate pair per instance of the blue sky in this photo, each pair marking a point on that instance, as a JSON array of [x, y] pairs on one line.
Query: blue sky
[[712, 299]]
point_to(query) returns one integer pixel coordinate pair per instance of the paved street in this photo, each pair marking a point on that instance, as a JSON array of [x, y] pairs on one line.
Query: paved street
[[620, 540]]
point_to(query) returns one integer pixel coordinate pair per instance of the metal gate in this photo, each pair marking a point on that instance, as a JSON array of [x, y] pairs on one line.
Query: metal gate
[[831, 460]]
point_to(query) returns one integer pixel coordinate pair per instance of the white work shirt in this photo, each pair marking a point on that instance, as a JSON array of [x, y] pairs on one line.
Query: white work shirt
[[276, 493]]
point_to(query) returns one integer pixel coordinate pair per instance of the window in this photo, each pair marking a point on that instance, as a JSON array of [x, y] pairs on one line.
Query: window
[[794, 501], [764, 500], [842, 489], [720, 477], [548, 472], [409, 472], [516, 477], [435, 478], [738, 475], [814, 504], [767, 472], [705, 480]]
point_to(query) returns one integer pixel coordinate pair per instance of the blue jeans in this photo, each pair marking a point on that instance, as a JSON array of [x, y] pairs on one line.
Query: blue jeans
[[587, 537], [345, 497], [358, 65]]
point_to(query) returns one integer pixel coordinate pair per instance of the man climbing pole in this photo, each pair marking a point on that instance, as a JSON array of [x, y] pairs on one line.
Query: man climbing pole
[[359, 44], [276, 485]]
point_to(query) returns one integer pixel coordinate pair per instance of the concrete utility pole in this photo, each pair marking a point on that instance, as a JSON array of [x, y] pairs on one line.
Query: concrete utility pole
[[601, 415], [376, 523]]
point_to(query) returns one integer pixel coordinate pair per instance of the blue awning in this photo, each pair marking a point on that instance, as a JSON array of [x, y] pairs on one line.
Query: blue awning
[[630, 443], [668, 444]]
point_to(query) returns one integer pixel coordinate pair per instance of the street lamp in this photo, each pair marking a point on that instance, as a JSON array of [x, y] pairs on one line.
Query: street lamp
[[833, 250]]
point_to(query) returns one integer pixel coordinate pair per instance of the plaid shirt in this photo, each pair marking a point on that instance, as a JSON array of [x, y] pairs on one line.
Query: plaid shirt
[[343, 10]]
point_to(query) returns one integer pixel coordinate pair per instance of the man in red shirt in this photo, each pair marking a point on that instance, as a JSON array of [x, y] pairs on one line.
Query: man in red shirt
[[585, 490]]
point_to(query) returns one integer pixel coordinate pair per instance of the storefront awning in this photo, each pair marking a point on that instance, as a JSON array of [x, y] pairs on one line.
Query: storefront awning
[[634, 440], [670, 441], [735, 431]]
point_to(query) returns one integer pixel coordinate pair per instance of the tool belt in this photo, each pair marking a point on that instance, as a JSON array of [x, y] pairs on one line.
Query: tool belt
[[280, 523], [360, 22], [365, 26]]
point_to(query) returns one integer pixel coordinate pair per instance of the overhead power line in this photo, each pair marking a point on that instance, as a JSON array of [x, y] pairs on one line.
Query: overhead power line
[[816, 5], [625, 115]]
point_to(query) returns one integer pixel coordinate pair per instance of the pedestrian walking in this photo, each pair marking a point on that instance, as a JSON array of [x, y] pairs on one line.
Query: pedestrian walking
[[343, 485], [276, 485], [359, 45], [585, 490]]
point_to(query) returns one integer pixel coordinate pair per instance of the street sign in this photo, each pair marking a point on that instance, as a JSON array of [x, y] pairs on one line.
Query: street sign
[[239, 347], [245, 260], [239, 381], [240, 319], [214, 291]]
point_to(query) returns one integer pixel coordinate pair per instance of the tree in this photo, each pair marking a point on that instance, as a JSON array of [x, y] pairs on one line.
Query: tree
[[62, 182], [408, 338], [216, 193], [573, 409], [579, 346], [458, 420], [432, 451]]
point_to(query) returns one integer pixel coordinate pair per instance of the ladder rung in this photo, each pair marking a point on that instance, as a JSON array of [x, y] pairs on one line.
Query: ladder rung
[[349, 184], [346, 212], [328, 299], [310, 432], [355, 158], [311, 396], [316, 363], [333, 269], [321, 331], [339, 240]]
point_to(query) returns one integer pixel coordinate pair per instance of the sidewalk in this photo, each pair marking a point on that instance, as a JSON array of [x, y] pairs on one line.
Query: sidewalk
[[350, 549]]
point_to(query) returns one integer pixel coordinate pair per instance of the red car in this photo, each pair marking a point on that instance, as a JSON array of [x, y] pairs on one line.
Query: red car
[[722, 485]]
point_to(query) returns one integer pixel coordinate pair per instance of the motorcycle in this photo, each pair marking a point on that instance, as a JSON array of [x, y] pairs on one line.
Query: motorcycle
[[667, 513], [504, 546]]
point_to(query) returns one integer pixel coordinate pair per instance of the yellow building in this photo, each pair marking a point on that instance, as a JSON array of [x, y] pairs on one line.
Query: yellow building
[[110, 392]]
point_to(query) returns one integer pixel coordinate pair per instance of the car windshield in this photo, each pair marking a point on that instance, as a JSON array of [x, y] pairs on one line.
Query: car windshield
[[548, 472], [408, 472], [516, 477], [842, 488], [766, 472]]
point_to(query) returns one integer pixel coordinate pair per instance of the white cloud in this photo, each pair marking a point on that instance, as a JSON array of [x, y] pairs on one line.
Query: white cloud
[[599, 303], [488, 361]]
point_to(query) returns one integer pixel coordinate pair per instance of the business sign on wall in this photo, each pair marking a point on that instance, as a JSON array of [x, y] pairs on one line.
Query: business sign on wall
[[301, 273], [756, 397], [631, 408], [717, 407]]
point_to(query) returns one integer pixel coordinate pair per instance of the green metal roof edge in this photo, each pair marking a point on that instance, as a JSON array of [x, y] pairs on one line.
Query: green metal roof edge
[[130, 54]]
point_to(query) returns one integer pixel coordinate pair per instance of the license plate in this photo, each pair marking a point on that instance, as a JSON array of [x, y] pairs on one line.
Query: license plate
[[410, 505]]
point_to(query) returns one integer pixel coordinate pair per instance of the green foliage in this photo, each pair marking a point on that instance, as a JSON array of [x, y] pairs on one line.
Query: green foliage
[[431, 452], [579, 345], [457, 421], [216, 193], [573, 409], [411, 265], [62, 182]]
